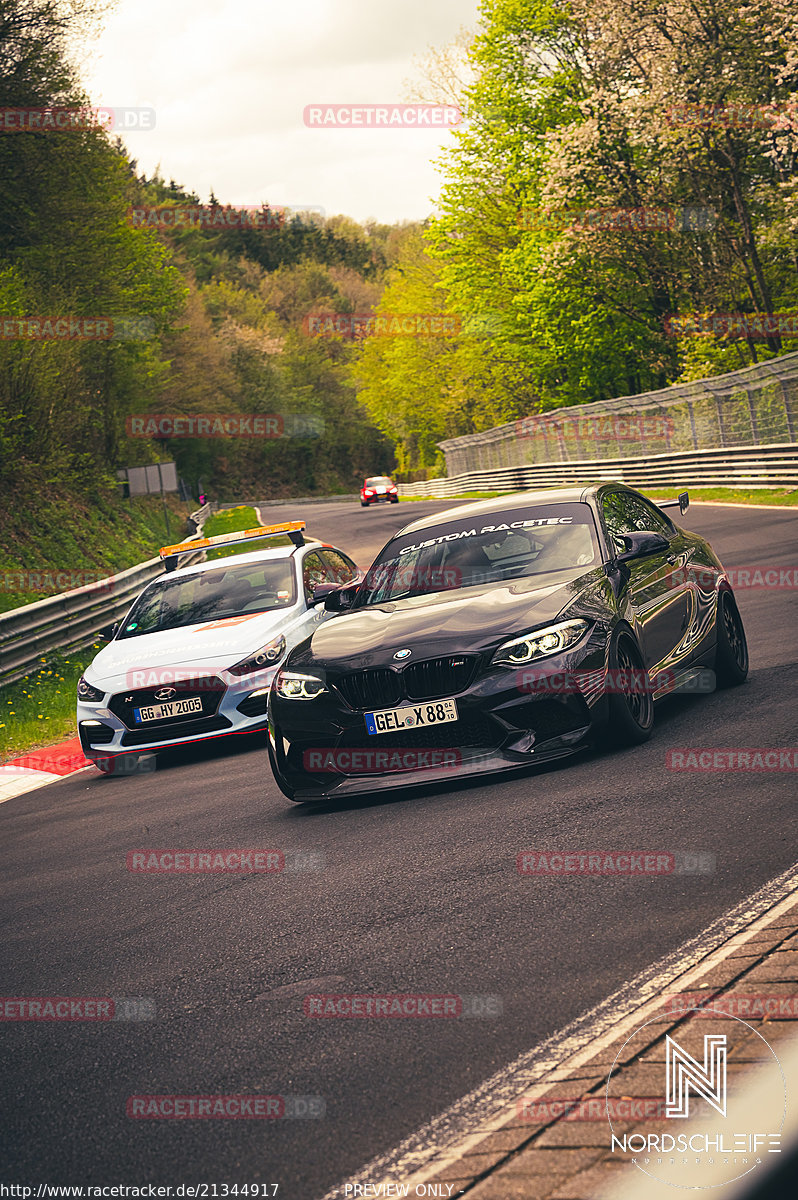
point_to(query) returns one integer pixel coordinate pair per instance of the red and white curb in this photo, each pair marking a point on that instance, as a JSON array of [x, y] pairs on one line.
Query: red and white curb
[[40, 767]]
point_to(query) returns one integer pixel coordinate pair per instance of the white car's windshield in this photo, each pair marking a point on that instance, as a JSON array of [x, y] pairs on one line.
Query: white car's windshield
[[231, 591], [467, 552]]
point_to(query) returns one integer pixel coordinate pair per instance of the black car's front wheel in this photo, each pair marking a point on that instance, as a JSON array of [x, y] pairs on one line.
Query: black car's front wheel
[[731, 655], [630, 702]]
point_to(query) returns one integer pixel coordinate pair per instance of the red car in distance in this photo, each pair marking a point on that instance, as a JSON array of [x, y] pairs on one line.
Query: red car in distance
[[378, 488]]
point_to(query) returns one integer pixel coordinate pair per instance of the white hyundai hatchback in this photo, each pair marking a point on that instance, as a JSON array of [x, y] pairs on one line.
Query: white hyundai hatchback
[[196, 654]]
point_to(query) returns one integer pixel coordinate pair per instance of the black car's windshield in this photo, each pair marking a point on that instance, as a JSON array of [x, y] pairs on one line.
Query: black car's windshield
[[464, 553], [231, 591]]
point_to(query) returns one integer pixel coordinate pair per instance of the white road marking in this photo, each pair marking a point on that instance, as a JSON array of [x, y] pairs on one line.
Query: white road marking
[[443, 1141]]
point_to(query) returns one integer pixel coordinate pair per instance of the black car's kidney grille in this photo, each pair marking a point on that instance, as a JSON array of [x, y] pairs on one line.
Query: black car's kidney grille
[[371, 689], [438, 676], [426, 680], [209, 689]]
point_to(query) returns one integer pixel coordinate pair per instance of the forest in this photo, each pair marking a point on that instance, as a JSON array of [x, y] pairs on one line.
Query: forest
[[618, 212]]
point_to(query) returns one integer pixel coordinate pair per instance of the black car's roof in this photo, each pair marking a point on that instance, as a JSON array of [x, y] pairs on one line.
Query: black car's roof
[[546, 496]]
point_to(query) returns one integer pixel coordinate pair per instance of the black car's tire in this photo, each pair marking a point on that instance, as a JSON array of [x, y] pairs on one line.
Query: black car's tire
[[630, 712], [731, 654]]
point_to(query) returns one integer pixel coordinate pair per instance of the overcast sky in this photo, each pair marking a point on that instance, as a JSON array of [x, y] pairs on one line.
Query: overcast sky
[[229, 80]]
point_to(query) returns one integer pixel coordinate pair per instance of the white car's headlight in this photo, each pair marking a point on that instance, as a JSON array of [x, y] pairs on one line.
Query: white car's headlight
[[292, 686], [88, 693], [267, 656], [541, 643]]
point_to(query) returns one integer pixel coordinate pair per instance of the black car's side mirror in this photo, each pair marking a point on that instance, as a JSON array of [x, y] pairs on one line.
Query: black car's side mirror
[[321, 592], [108, 632], [341, 598], [640, 545]]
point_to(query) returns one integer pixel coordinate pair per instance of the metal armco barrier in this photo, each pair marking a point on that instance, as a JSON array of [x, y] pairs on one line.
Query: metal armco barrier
[[71, 620], [742, 466], [754, 407]]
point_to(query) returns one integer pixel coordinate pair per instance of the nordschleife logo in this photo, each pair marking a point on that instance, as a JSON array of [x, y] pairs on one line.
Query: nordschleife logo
[[692, 1109]]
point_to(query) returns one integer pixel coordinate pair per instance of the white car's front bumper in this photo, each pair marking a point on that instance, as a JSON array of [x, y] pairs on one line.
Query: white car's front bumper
[[108, 728]]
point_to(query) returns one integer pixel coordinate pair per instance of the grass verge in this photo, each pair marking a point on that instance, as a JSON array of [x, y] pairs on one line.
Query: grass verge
[[39, 710], [779, 497], [80, 539]]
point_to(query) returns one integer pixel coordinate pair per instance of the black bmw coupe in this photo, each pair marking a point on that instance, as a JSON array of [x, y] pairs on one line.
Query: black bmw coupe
[[503, 634]]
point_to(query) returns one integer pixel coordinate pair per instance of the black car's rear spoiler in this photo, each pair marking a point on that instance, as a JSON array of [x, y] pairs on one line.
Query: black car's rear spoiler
[[682, 502]]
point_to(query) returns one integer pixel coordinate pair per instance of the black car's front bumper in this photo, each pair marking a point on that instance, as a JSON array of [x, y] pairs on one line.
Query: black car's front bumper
[[320, 749]]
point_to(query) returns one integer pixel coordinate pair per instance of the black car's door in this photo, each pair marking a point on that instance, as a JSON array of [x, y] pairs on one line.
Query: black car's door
[[658, 589]]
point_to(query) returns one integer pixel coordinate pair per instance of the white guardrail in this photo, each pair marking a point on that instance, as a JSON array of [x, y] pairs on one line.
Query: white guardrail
[[735, 467], [72, 620]]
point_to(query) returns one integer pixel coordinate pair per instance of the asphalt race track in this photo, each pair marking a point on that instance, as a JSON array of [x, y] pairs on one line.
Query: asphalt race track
[[418, 894]]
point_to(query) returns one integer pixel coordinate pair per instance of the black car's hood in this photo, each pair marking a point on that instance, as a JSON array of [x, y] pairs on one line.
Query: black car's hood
[[472, 618]]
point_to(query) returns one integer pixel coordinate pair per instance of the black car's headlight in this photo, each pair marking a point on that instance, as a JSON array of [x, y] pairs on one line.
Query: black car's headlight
[[541, 643], [292, 686], [88, 693], [267, 656]]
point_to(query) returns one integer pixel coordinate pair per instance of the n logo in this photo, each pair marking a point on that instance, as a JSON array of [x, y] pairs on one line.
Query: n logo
[[684, 1072]]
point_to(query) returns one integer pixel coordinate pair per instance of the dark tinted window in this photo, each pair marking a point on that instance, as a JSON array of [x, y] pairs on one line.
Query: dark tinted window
[[343, 569], [314, 572], [489, 548], [627, 513]]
